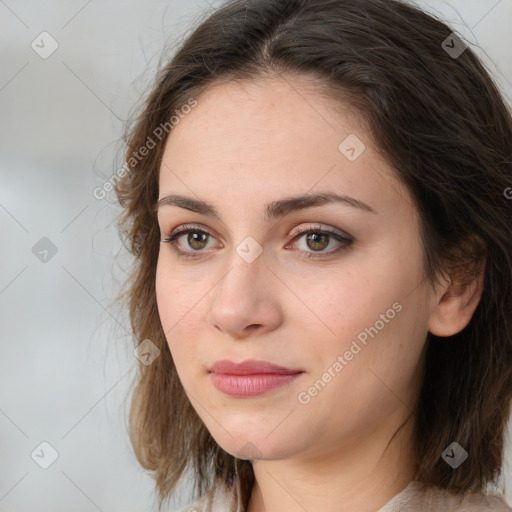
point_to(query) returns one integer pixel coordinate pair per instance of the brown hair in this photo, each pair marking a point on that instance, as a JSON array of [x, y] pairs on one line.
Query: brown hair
[[444, 127]]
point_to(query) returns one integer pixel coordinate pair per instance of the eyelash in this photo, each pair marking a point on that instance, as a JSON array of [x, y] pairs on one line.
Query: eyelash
[[344, 240]]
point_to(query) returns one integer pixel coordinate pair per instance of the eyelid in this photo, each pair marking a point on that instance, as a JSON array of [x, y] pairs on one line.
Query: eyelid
[[318, 227], [343, 238], [183, 228], [296, 231]]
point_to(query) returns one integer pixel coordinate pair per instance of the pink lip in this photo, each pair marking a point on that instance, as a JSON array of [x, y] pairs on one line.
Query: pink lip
[[249, 367], [250, 378]]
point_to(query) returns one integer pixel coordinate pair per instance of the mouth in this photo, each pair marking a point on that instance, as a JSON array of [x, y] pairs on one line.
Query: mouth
[[250, 378], [250, 367]]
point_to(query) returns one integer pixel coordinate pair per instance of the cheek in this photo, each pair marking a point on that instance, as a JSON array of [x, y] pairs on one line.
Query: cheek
[[174, 295], [373, 309], [346, 304], [379, 334], [179, 308], [171, 304], [164, 297]]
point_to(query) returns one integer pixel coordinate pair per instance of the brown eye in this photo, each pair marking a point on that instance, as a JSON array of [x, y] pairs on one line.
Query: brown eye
[[317, 241], [197, 239]]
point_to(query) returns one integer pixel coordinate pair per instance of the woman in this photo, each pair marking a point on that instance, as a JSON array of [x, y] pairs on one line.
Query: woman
[[316, 200]]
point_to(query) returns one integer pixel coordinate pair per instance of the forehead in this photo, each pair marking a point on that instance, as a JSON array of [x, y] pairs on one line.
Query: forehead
[[269, 112], [249, 139]]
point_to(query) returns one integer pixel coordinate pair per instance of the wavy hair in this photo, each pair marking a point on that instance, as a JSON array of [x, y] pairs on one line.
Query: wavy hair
[[439, 120]]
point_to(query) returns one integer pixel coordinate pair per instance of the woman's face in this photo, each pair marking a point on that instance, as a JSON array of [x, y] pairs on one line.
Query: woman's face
[[352, 315]]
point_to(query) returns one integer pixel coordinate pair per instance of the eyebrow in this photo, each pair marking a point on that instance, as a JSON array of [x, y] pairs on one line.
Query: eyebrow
[[273, 210]]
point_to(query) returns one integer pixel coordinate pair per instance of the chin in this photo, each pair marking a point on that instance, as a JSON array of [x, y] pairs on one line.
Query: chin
[[254, 447]]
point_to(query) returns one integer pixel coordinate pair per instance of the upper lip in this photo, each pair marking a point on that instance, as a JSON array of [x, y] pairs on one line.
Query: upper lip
[[249, 367]]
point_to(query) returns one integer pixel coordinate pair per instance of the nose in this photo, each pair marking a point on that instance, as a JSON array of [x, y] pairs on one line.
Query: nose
[[246, 300]]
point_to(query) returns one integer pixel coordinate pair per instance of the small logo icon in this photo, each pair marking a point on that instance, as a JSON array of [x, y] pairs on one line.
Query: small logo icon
[[351, 147], [454, 455], [44, 249], [146, 352], [44, 455], [44, 45], [249, 452], [453, 45], [249, 249]]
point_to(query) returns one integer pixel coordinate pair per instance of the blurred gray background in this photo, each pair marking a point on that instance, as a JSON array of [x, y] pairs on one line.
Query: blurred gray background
[[66, 364]]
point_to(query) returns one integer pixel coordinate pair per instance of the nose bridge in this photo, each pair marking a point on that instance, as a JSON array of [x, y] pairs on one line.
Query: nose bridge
[[244, 275], [242, 297]]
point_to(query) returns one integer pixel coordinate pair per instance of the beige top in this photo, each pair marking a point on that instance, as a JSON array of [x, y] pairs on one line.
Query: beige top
[[413, 498]]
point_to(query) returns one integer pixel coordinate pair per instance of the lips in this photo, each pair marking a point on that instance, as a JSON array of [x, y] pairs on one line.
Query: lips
[[250, 367], [250, 378]]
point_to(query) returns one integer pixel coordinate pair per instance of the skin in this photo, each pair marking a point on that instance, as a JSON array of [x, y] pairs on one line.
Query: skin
[[247, 144]]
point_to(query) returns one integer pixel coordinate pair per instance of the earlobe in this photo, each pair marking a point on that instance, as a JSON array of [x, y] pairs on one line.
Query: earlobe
[[457, 302]]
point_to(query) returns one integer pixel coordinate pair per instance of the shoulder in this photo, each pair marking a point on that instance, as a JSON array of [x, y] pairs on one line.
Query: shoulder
[[418, 497], [480, 502], [439, 499]]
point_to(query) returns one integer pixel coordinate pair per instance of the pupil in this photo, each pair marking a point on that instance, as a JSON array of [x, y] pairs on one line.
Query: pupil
[[195, 239], [313, 237]]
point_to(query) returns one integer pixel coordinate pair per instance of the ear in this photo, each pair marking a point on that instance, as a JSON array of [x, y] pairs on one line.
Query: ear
[[457, 299]]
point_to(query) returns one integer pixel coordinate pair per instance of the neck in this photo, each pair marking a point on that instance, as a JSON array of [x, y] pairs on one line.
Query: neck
[[363, 476]]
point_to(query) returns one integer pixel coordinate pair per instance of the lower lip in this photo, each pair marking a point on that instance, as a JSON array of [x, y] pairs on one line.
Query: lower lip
[[250, 385]]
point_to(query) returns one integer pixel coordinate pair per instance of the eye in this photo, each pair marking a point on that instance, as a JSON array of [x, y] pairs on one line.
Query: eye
[[315, 239], [318, 239], [195, 238]]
